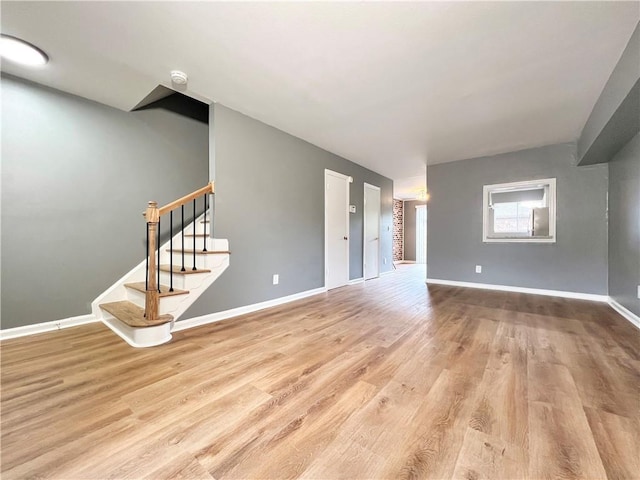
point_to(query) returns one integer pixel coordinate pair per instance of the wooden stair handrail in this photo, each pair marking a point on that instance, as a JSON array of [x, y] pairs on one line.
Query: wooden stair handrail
[[152, 216], [187, 198]]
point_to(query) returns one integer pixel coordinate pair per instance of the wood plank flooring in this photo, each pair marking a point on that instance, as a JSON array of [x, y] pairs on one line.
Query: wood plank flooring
[[386, 380]]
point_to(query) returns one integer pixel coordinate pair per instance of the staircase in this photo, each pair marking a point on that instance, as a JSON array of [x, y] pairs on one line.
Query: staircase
[[143, 306]]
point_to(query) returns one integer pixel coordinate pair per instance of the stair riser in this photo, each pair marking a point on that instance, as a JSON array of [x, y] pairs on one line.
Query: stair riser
[[179, 281], [212, 243], [211, 261], [188, 243], [189, 239], [183, 282]]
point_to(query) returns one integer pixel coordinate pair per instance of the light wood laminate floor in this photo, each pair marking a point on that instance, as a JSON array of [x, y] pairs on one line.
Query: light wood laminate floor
[[389, 379]]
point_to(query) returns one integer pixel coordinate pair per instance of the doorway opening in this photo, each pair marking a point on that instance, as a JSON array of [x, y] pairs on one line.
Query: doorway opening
[[371, 250]]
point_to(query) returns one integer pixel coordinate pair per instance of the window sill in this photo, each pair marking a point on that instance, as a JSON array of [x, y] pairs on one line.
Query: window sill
[[520, 240]]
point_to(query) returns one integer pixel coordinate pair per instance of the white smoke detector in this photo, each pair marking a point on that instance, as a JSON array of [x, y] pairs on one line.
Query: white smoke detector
[[178, 77]]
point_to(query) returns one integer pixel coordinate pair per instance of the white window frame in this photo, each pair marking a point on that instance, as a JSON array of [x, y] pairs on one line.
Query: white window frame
[[486, 192]]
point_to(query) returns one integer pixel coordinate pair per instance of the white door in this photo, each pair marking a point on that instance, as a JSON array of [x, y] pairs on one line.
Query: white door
[[421, 234], [371, 231], [336, 222]]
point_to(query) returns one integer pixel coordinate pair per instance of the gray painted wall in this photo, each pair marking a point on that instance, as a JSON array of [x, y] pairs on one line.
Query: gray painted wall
[[269, 204], [410, 228], [212, 143], [577, 262], [76, 176], [620, 83], [619, 130], [624, 226]]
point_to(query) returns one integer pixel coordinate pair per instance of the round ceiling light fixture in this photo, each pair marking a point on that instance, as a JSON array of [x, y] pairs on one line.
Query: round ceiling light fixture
[[21, 52], [178, 77]]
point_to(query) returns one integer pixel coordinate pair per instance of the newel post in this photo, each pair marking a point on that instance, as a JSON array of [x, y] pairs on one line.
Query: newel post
[[152, 215]]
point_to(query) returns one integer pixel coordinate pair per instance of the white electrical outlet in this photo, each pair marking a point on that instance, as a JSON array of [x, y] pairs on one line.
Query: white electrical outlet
[[276, 279], [384, 260], [478, 268], [638, 291]]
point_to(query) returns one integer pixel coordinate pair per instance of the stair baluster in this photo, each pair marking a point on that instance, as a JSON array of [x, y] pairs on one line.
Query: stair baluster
[[171, 254], [205, 223], [194, 235], [182, 269]]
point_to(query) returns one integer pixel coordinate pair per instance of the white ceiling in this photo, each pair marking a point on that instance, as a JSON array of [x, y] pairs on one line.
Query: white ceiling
[[388, 85], [410, 188]]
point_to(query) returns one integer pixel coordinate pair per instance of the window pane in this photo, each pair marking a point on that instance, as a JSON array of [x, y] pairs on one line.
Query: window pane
[[524, 218], [511, 218]]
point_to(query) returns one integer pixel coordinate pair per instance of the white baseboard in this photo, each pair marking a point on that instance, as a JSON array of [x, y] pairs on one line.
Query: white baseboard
[[534, 291], [234, 312], [400, 262], [628, 314], [46, 326], [216, 317]]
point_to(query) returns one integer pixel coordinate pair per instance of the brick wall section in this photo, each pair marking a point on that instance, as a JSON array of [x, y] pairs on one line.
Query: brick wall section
[[398, 230]]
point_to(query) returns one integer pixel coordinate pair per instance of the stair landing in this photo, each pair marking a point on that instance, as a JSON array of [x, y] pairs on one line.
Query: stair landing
[[132, 315]]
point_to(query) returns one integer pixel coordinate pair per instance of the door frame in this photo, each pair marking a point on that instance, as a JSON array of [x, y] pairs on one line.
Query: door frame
[[326, 221], [364, 228], [422, 207]]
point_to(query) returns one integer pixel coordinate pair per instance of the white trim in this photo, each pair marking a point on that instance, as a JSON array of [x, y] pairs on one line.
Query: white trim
[[552, 210], [339, 175], [534, 291], [47, 326], [520, 240], [218, 316], [234, 312], [626, 313], [364, 227], [426, 227], [419, 208], [400, 262], [326, 222]]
